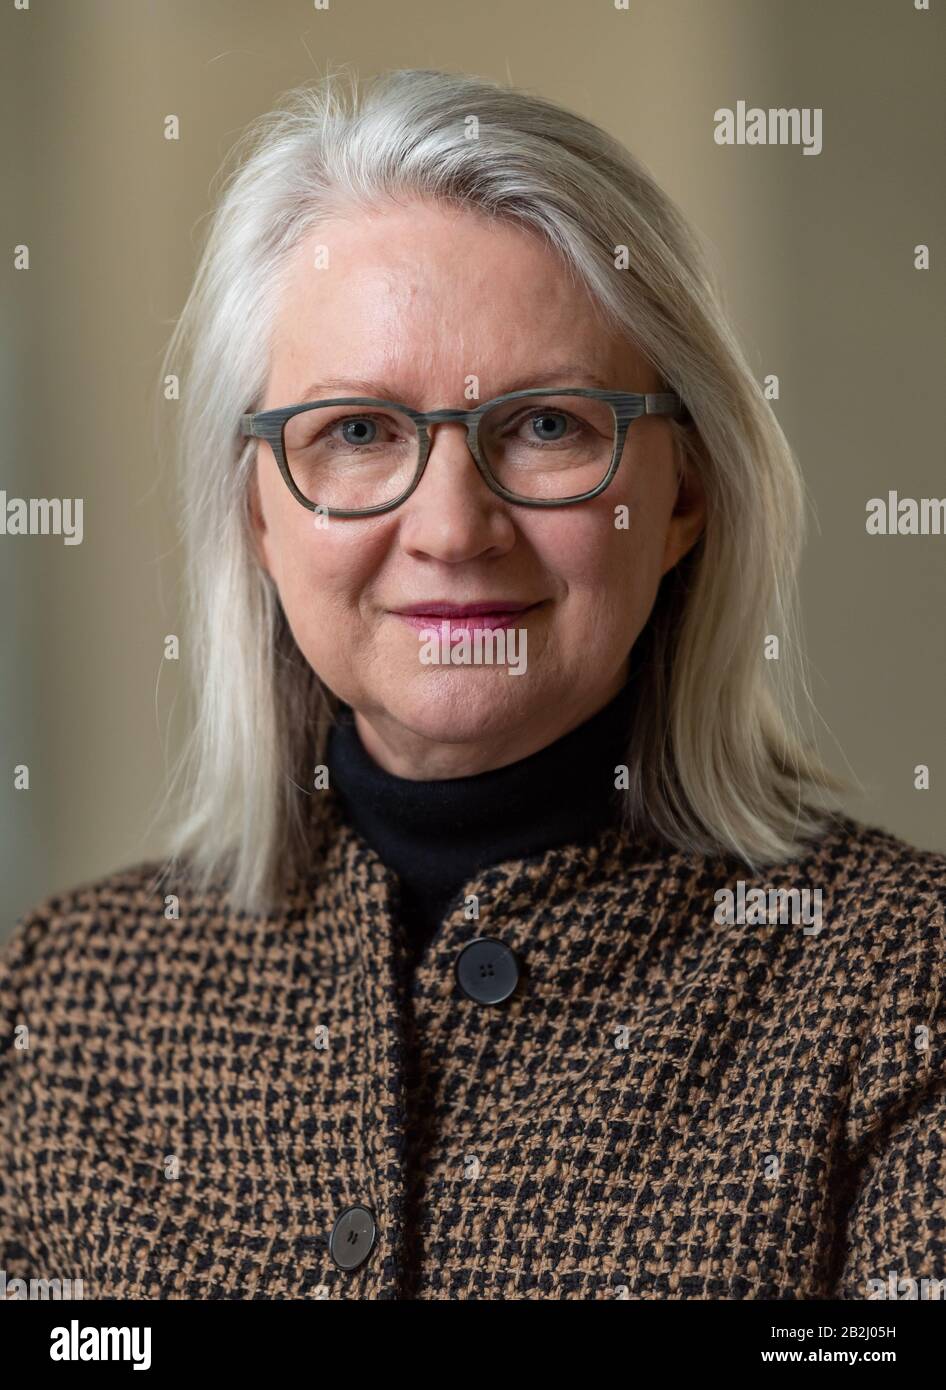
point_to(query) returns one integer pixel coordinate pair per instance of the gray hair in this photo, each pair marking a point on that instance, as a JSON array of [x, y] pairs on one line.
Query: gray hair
[[716, 758]]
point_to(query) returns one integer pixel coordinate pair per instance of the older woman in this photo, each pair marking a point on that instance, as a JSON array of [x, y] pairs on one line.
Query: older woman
[[512, 943]]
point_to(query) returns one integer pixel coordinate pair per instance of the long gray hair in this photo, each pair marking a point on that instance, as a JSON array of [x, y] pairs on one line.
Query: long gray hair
[[717, 761]]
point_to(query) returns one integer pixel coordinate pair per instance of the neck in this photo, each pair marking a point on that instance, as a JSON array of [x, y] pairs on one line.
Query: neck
[[436, 834]]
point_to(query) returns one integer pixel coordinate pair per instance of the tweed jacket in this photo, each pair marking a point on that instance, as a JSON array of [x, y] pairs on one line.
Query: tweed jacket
[[669, 1105]]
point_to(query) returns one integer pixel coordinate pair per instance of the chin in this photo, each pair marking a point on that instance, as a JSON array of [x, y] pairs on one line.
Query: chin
[[459, 706]]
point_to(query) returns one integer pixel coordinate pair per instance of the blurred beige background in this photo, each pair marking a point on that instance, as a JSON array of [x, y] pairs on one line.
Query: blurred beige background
[[814, 254]]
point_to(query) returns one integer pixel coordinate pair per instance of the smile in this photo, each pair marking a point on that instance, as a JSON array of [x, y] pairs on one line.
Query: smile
[[466, 617]]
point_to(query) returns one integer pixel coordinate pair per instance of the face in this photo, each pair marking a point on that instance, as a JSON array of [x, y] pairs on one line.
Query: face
[[416, 299]]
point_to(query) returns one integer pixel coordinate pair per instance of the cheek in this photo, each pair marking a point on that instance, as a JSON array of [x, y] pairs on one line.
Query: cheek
[[314, 594], [592, 558], [319, 572], [305, 554], [322, 574], [606, 565]]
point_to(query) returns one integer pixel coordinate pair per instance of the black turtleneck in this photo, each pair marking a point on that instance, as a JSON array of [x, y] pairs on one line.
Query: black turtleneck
[[437, 835]]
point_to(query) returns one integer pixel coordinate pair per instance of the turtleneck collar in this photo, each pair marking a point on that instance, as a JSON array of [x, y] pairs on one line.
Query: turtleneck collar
[[436, 835]]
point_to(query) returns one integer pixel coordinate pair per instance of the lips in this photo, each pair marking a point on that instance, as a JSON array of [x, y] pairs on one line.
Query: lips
[[439, 609], [487, 613]]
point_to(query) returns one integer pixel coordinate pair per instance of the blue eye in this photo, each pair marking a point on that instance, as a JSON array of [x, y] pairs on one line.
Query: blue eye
[[360, 424], [547, 416]]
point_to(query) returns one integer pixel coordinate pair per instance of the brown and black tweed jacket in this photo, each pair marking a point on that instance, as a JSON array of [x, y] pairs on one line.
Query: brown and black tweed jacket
[[667, 1107]]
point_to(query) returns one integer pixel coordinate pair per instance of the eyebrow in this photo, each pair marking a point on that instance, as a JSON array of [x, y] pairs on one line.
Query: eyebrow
[[570, 374]]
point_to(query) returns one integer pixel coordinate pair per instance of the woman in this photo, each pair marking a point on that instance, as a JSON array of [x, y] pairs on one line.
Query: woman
[[512, 944]]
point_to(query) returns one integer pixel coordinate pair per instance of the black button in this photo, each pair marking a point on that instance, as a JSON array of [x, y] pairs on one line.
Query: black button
[[352, 1237], [487, 970]]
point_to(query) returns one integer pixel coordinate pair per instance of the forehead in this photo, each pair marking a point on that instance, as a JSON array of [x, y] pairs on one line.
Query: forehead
[[424, 297]]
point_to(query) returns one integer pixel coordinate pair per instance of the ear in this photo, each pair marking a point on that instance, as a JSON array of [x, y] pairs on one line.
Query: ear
[[688, 519]]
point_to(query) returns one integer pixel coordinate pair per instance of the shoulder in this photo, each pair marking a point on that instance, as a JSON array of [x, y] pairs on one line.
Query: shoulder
[[875, 890], [855, 927], [883, 900], [876, 865], [885, 904], [884, 949], [77, 927], [878, 890]]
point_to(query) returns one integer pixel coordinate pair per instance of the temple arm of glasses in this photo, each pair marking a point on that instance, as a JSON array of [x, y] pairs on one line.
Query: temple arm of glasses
[[246, 425], [664, 403]]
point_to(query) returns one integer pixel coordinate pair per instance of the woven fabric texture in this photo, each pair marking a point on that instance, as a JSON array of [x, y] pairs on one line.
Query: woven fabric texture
[[667, 1107]]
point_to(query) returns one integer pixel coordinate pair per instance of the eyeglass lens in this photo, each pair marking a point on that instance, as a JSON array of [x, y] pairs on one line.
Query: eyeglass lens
[[536, 447]]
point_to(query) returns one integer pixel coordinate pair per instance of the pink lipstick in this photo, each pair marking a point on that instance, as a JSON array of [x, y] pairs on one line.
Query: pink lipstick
[[488, 613]]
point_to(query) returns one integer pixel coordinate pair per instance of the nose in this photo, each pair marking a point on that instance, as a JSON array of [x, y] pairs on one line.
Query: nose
[[452, 514]]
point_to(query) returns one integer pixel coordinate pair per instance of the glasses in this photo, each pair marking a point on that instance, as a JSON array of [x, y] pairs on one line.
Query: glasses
[[548, 447]]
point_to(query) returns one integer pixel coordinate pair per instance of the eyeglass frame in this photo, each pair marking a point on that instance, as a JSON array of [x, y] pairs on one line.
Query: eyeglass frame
[[269, 425]]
